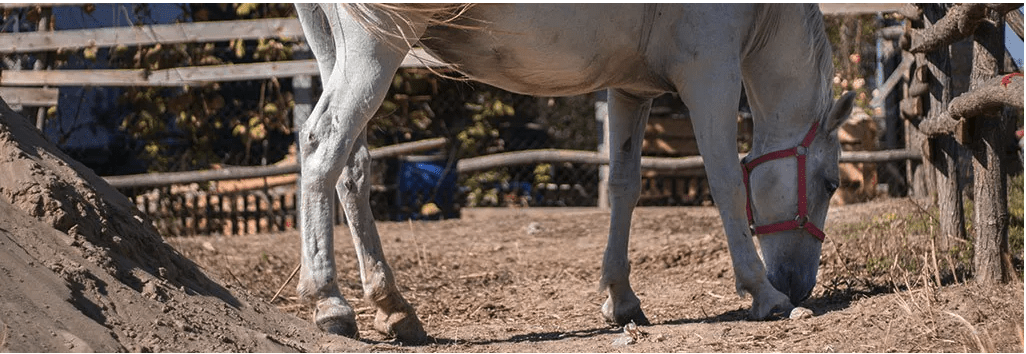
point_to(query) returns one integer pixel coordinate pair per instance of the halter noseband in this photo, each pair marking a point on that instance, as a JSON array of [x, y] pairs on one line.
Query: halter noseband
[[801, 220]]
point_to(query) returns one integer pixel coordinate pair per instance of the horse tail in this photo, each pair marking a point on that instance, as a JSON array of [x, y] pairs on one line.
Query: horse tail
[[395, 20], [389, 21]]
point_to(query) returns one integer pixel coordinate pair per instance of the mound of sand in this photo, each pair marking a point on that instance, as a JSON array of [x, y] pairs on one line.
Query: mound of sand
[[81, 269]]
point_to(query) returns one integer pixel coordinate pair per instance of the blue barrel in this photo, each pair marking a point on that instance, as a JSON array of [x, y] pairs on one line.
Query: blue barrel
[[423, 180]]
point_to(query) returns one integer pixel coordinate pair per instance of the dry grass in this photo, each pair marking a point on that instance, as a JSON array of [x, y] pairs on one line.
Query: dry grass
[[3, 334], [901, 253]]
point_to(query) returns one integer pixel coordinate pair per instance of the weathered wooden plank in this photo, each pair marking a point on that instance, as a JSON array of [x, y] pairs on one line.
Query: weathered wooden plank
[[231, 72], [830, 9], [146, 35], [73, 78], [191, 75], [30, 96], [15, 5]]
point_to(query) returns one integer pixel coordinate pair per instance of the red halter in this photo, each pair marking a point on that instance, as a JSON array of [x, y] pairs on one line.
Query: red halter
[[801, 221]]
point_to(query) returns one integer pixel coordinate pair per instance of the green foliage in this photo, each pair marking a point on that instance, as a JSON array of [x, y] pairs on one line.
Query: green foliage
[[198, 116], [195, 126]]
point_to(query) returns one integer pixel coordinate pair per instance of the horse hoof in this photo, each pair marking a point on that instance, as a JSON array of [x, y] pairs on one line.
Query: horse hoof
[[778, 306], [402, 325], [624, 314], [336, 319]]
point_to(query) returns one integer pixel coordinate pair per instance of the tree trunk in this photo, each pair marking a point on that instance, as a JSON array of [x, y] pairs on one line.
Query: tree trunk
[[990, 210]]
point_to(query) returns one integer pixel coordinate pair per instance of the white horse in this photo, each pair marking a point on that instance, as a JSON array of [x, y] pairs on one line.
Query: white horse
[[705, 53]]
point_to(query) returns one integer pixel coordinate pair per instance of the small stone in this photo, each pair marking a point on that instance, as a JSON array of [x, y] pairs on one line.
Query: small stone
[[800, 313], [534, 228]]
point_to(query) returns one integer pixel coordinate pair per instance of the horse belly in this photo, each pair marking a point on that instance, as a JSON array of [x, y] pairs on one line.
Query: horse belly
[[548, 50]]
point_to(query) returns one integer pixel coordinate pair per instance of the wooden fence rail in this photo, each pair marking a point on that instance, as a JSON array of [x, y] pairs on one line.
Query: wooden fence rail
[[212, 31], [467, 165], [169, 178], [191, 75]]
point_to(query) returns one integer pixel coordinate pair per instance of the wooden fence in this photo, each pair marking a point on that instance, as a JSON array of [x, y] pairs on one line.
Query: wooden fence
[[955, 94], [35, 87], [177, 202]]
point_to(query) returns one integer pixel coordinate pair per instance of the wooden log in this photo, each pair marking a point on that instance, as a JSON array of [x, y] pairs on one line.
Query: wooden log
[[896, 77], [960, 22], [987, 97], [656, 163], [160, 179], [1014, 20]]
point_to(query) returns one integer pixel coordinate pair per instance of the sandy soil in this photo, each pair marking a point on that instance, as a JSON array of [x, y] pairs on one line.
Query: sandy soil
[[81, 270], [523, 280]]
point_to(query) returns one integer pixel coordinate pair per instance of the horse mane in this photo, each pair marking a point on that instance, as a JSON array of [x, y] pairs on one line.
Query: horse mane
[[770, 18]]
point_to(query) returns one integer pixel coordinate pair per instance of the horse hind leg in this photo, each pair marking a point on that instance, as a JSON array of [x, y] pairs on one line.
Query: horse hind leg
[[627, 117], [395, 317]]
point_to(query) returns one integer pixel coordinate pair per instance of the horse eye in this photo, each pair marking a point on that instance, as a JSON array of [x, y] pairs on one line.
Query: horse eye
[[831, 185]]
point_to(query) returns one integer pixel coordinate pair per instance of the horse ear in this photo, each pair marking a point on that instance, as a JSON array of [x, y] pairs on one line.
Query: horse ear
[[839, 112]]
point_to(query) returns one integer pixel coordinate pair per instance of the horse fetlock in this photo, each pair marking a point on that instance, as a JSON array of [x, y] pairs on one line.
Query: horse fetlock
[[769, 303], [623, 310], [334, 315], [379, 286], [311, 289]]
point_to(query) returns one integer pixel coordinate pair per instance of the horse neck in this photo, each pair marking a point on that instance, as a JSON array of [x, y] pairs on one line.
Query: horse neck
[[787, 74]]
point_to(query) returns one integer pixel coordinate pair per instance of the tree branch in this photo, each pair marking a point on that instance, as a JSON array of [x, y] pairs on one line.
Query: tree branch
[[1014, 20], [993, 94], [960, 22]]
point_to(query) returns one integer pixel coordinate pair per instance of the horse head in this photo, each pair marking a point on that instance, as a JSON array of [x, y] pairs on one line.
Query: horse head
[[789, 193]]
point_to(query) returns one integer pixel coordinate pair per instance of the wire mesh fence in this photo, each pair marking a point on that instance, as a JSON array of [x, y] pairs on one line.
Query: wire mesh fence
[[477, 120]]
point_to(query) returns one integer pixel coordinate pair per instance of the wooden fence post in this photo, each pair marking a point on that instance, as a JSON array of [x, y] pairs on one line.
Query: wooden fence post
[[990, 210], [944, 149]]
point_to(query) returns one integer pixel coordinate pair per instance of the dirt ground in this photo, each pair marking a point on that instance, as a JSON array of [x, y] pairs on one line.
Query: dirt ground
[[525, 280], [82, 270]]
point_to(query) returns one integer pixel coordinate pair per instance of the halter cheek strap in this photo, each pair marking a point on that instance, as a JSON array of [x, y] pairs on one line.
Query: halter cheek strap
[[801, 220]]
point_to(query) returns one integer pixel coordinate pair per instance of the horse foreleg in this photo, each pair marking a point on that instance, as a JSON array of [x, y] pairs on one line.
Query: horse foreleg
[[627, 117], [713, 102], [362, 67], [395, 316]]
